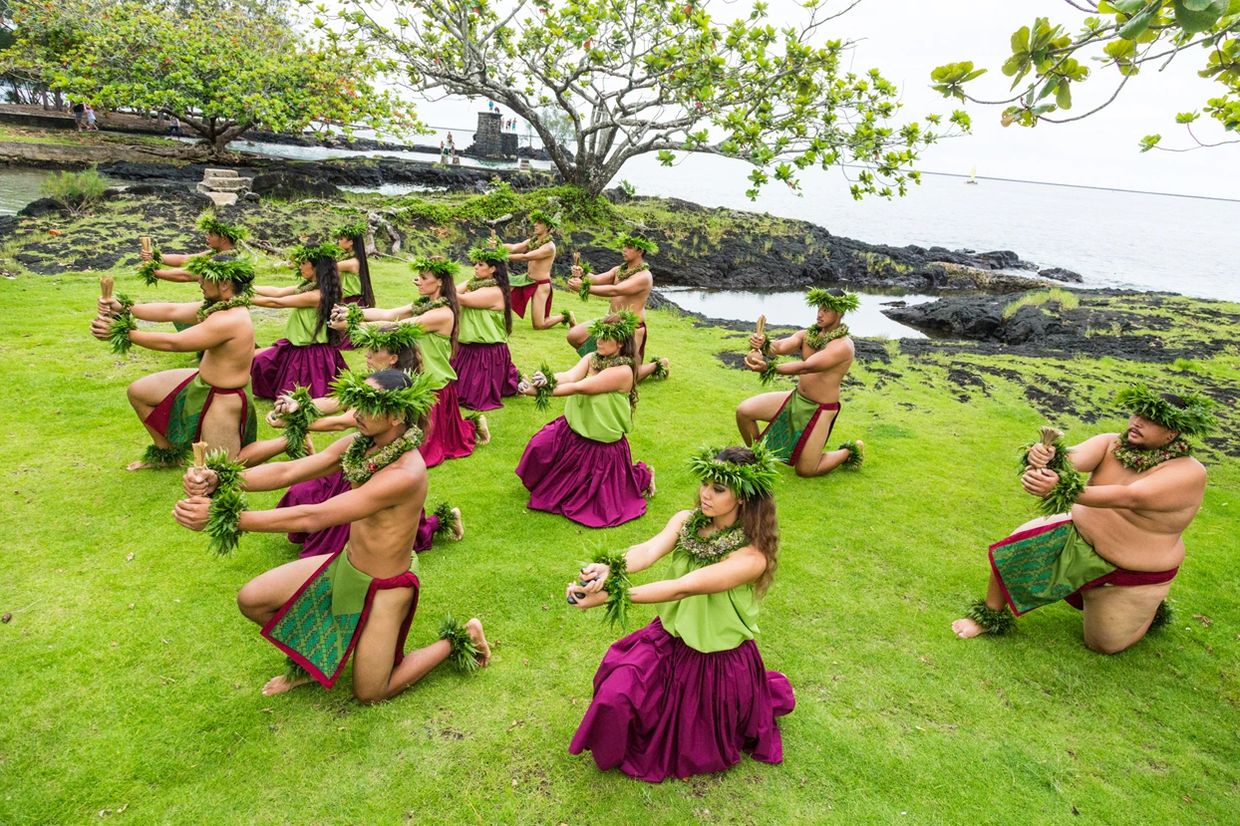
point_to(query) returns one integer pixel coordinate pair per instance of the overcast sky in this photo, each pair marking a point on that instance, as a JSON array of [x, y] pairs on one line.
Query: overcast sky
[[905, 39]]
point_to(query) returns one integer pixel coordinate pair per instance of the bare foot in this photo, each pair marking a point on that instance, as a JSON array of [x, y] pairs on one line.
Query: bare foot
[[572, 318], [140, 465], [650, 488], [667, 367], [967, 628], [474, 627], [484, 430], [281, 684], [458, 527]]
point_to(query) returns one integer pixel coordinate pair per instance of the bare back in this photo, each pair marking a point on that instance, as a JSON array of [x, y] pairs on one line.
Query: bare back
[[1143, 539], [227, 364], [828, 366]]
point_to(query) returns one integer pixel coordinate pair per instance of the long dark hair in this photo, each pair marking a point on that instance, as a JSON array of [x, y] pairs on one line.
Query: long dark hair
[[363, 269], [501, 279], [757, 518], [447, 291], [327, 278]]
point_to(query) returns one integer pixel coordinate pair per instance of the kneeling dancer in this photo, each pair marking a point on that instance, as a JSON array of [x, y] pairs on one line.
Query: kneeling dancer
[[482, 361], [1113, 556], [212, 403], [579, 465], [689, 692], [800, 421], [362, 600]]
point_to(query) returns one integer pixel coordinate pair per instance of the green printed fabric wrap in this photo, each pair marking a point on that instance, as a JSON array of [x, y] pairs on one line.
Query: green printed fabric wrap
[[319, 626], [482, 327], [709, 622], [786, 434], [1045, 564], [603, 417], [178, 418], [590, 345], [519, 279]]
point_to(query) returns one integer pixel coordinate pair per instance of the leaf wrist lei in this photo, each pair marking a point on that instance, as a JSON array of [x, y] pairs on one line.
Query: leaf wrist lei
[[584, 292], [1070, 485], [1135, 458], [543, 394], [479, 284], [713, 547], [618, 585], [123, 323], [358, 467], [227, 503], [817, 338], [209, 308], [146, 270], [297, 424]]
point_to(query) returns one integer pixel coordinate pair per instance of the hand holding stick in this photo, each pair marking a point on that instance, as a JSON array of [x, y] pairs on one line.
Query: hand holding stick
[[105, 287], [758, 336], [145, 241]]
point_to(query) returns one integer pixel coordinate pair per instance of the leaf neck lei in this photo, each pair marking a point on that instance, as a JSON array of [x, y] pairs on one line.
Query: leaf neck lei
[[479, 284], [212, 307], [599, 363], [424, 305], [713, 547], [1140, 460], [817, 338], [306, 286], [534, 243], [626, 271], [358, 467]]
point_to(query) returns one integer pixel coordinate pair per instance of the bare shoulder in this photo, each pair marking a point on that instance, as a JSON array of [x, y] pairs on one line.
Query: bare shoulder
[[679, 518]]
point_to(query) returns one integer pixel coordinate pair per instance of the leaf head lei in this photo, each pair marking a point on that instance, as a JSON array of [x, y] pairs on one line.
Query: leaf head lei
[[756, 478]]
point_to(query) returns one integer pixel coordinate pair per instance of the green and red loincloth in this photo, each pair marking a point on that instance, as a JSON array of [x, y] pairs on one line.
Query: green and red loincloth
[[786, 433], [590, 345], [178, 418], [1041, 565], [522, 293], [320, 624]]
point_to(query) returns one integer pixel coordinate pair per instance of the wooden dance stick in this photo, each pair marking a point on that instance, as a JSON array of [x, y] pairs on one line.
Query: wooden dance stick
[[145, 240], [759, 329], [200, 455], [1049, 435], [494, 242], [105, 287]]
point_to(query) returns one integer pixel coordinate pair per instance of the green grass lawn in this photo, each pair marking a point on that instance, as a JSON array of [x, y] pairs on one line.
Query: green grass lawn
[[130, 681]]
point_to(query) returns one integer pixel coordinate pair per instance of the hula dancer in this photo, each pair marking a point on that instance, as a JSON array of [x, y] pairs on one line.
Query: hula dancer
[[539, 251], [354, 268], [579, 465], [221, 237], [436, 311], [210, 404], [628, 288], [689, 692], [483, 363], [801, 420], [1115, 553], [388, 347], [360, 601], [308, 355]]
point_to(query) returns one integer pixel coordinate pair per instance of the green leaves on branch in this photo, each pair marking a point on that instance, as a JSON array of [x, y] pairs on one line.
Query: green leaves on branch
[[1046, 61]]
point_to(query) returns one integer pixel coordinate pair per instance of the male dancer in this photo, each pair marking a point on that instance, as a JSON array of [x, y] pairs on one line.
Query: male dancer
[[210, 404], [539, 251], [628, 286], [362, 600], [1115, 554], [221, 237], [801, 420]]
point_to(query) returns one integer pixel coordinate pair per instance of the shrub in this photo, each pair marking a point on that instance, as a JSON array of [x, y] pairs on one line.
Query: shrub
[[76, 192]]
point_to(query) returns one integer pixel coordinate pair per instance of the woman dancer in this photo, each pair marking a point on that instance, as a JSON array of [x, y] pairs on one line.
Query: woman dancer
[[579, 465], [436, 312], [482, 361], [689, 692], [308, 355], [355, 287]]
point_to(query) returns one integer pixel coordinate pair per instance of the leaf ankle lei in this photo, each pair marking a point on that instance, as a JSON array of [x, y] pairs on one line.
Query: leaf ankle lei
[[817, 339], [479, 284], [464, 653], [358, 467], [209, 307], [713, 547], [993, 622], [1140, 460]]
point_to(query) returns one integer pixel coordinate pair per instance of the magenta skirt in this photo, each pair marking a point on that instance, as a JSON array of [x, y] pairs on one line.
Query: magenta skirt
[[484, 374], [330, 540], [449, 436], [283, 366], [592, 483], [662, 709]]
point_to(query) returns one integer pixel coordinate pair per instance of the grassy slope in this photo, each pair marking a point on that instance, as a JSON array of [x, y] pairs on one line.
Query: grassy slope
[[132, 683]]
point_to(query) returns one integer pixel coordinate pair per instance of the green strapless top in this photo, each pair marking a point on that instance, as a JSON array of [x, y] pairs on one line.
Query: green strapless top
[[436, 353], [300, 327], [710, 622], [482, 326], [605, 417], [350, 284]]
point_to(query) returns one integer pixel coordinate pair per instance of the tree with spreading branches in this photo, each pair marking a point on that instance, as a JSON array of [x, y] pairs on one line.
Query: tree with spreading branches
[[657, 76], [221, 67], [1047, 62]]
